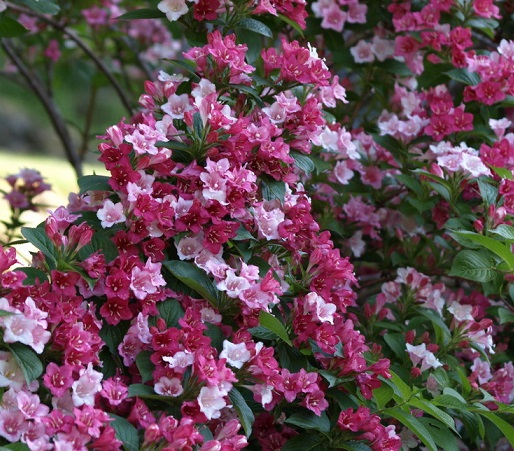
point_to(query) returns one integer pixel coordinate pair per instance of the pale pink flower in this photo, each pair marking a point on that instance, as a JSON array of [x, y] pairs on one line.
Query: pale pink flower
[[482, 370], [499, 126], [474, 165], [420, 354], [357, 244], [333, 18], [321, 310], [268, 216], [382, 48], [177, 105], [12, 424], [190, 246], [3, 6], [146, 280], [362, 52], [233, 285], [357, 13], [203, 89], [210, 316], [235, 353], [461, 312], [86, 387], [169, 387], [111, 214], [180, 360], [211, 400], [506, 48], [11, 374], [342, 172], [173, 9]]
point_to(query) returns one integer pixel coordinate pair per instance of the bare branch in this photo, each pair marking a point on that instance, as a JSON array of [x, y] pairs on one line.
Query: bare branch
[[55, 116], [85, 48]]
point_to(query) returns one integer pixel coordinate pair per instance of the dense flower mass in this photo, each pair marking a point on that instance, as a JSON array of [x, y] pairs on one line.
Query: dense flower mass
[[294, 248]]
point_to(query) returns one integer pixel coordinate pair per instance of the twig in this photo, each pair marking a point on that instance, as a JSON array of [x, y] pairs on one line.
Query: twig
[[50, 107], [85, 48]]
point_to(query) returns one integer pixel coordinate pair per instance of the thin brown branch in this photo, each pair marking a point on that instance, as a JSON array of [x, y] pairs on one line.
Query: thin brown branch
[[85, 48], [53, 113]]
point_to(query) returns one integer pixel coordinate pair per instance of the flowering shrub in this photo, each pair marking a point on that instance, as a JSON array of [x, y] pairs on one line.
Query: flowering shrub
[[291, 251]]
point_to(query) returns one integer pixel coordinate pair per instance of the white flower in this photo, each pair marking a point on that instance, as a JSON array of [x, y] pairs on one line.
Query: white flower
[[236, 354], [211, 400], [173, 9]]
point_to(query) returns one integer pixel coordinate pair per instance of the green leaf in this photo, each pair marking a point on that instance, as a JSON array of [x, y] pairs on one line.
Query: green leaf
[[411, 183], [143, 13], [309, 420], [100, 242], [10, 28], [38, 237], [15, 447], [353, 445], [303, 162], [491, 244], [502, 172], [472, 265], [27, 360], [250, 91], [243, 234], [194, 278], [216, 336], [443, 334], [93, 183], [400, 388], [263, 333], [506, 428], [383, 395], [488, 192], [270, 322], [145, 365], [505, 231], [291, 23], [113, 335], [170, 311], [436, 412], [397, 343], [34, 275], [415, 426], [506, 316], [125, 432], [273, 189], [188, 66], [146, 392], [198, 124], [305, 442], [443, 437], [387, 142], [464, 76], [254, 25], [244, 412], [42, 6]]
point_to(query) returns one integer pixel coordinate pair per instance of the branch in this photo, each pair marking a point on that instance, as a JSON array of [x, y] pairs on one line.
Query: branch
[[50, 107], [74, 37]]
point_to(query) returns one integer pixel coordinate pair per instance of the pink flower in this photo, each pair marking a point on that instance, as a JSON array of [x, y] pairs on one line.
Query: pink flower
[[333, 18], [111, 214], [169, 387], [211, 400], [362, 52], [236, 354], [420, 354], [12, 424], [86, 387], [146, 280]]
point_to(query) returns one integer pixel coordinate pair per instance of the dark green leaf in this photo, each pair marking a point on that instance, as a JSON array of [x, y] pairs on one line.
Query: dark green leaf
[[254, 25], [397, 343], [113, 335], [15, 447], [400, 388], [216, 336], [93, 183], [251, 92], [436, 412], [464, 76], [34, 275], [411, 183], [273, 189], [415, 426], [42, 6], [125, 432], [28, 361], [270, 322], [488, 192], [10, 28], [305, 442], [506, 316], [170, 311], [144, 13], [353, 445], [501, 250], [443, 437], [309, 420], [38, 237], [303, 162], [387, 142], [145, 365], [244, 412], [194, 278], [243, 234], [383, 395], [505, 231], [472, 265], [291, 23], [198, 124], [100, 242], [506, 428], [263, 333]]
